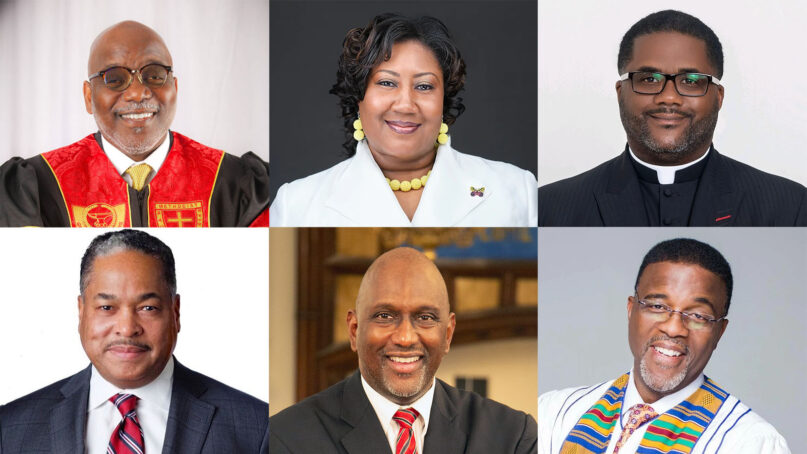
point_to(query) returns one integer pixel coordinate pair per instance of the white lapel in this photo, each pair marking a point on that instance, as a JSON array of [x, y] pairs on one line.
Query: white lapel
[[361, 193], [447, 198]]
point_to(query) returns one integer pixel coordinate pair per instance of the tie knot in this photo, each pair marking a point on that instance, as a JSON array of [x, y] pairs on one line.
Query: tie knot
[[126, 403], [638, 415], [405, 417], [139, 173]]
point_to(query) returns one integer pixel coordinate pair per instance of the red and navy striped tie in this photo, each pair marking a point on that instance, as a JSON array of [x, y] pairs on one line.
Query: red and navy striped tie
[[128, 436], [405, 443]]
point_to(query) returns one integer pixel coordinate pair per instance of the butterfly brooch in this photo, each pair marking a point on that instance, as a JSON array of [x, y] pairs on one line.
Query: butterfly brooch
[[477, 192]]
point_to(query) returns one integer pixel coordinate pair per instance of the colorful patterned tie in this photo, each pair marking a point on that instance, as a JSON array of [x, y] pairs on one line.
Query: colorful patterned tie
[[637, 415], [139, 173], [405, 443], [128, 437]]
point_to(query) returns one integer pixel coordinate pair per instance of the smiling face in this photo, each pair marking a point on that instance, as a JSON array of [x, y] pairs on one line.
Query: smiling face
[[667, 355], [128, 320], [667, 128], [401, 327], [403, 105], [135, 120]]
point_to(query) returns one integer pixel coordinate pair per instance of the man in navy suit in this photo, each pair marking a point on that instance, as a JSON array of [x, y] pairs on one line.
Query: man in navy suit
[[670, 174], [128, 324], [401, 328]]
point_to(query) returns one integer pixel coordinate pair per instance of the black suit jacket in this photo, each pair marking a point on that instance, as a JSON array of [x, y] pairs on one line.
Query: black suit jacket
[[205, 416], [730, 193], [342, 420]]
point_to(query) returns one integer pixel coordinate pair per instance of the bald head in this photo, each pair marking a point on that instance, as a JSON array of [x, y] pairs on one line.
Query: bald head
[[118, 41], [399, 265]]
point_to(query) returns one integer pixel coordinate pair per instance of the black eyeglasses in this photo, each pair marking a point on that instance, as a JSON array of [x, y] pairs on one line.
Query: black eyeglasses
[[653, 83], [119, 78]]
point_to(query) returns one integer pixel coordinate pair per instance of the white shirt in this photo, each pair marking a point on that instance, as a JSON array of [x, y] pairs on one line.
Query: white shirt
[[385, 410], [666, 174], [735, 429], [354, 193], [152, 411], [121, 162]]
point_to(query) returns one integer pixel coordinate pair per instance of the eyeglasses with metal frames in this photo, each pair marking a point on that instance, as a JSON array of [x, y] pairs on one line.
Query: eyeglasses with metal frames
[[661, 313], [119, 78], [686, 84]]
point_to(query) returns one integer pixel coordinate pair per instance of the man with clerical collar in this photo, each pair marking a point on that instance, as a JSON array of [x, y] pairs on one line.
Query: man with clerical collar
[[135, 397], [670, 174], [400, 327], [665, 404], [134, 171]]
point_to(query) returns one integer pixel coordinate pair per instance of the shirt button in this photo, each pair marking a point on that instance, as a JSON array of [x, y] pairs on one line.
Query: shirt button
[[667, 192]]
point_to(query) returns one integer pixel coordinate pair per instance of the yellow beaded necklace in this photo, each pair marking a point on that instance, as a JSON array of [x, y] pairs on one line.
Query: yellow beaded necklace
[[415, 183]]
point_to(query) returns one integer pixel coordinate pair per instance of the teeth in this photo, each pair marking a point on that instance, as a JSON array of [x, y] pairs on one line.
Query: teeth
[[138, 116], [667, 351], [399, 359]]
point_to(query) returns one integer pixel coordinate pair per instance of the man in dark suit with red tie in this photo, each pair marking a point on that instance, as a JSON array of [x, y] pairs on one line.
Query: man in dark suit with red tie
[[670, 174], [135, 397], [401, 328]]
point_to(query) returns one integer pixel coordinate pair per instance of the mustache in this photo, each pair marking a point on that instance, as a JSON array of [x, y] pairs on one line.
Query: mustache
[[131, 107], [655, 339], [128, 343], [663, 110]]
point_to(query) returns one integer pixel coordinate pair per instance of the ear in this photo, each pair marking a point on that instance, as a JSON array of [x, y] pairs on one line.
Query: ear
[[720, 92], [723, 325], [352, 327], [618, 87], [88, 97], [452, 323], [175, 309], [176, 85], [630, 306], [80, 301]]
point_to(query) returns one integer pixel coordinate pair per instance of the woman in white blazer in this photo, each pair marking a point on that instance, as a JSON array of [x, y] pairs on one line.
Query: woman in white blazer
[[398, 81]]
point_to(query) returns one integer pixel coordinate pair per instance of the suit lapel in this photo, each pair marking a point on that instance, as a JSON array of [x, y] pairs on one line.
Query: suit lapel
[[621, 203], [362, 195], [367, 434], [189, 418], [447, 198], [69, 417], [716, 200], [444, 434]]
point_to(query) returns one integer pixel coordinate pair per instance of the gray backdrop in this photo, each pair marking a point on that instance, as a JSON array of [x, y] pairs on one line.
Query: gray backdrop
[[586, 275], [498, 41]]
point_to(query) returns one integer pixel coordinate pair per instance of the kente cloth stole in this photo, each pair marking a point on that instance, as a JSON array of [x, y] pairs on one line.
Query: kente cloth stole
[[673, 432]]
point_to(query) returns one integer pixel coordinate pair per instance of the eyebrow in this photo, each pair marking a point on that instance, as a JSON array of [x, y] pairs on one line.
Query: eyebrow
[[141, 298], [653, 69], [427, 73], [700, 299]]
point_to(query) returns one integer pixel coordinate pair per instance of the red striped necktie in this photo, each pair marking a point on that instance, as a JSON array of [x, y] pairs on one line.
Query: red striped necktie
[[405, 443], [128, 436]]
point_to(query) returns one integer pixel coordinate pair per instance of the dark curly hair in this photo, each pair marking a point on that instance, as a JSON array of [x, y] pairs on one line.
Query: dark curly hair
[[672, 21], [691, 252], [364, 48]]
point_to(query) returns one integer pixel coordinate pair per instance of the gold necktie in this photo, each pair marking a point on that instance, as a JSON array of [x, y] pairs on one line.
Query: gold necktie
[[139, 173]]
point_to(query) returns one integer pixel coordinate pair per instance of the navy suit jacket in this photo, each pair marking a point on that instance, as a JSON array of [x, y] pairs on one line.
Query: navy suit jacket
[[730, 193], [205, 417], [341, 420]]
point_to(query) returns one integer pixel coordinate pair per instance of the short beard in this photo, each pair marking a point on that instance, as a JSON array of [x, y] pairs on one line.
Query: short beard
[[407, 394], [696, 136], [658, 384], [139, 145]]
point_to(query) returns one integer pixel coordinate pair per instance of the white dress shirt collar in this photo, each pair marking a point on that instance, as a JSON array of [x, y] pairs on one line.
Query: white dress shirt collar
[[664, 404], [385, 410], [666, 174], [152, 410], [121, 162]]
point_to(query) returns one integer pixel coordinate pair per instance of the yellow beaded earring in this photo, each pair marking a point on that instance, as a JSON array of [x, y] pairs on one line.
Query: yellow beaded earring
[[442, 138], [358, 134]]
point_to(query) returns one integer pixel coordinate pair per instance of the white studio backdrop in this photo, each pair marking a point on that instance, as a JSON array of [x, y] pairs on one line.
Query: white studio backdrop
[[585, 276], [762, 122], [222, 279], [220, 50]]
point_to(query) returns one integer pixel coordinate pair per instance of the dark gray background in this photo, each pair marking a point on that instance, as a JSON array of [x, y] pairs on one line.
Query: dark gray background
[[498, 41]]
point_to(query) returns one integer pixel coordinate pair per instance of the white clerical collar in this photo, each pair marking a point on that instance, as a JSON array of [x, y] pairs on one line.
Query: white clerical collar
[[123, 162], [156, 394], [664, 404], [385, 409], [666, 174]]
